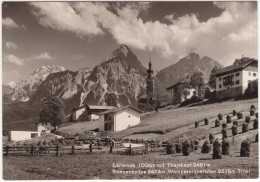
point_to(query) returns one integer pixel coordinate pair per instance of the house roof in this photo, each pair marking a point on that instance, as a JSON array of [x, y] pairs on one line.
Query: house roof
[[95, 107], [101, 107], [119, 109], [184, 81], [237, 66]]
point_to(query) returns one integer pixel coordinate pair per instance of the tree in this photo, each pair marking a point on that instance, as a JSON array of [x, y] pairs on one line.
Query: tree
[[252, 90], [53, 111], [212, 79], [111, 99], [197, 81]]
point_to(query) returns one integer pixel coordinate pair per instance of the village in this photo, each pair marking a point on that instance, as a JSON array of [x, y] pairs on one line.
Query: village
[[130, 90], [124, 131]]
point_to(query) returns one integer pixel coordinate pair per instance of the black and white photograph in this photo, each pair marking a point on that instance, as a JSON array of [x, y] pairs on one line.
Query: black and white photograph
[[120, 90]]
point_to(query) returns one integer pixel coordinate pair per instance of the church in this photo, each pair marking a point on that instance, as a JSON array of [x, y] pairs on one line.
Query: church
[[145, 99]]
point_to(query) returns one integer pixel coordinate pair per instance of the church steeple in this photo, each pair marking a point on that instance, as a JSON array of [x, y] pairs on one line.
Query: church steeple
[[150, 80]]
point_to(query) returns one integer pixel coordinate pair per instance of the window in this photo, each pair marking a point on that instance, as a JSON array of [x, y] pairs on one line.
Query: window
[[232, 83], [219, 86], [106, 117], [249, 73], [109, 118], [237, 74], [33, 135], [237, 82], [219, 78], [254, 74], [227, 80]]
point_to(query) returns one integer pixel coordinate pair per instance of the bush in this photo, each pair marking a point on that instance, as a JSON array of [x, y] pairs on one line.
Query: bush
[[234, 130], [186, 148], [245, 148], [239, 115], [217, 123], [178, 147], [245, 127], [224, 133], [217, 149], [224, 125], [44, 142], [252, 112], [206, 147], [252, 107], [206, 120], [196, 124], [228, 119], [247, 120], [225, 147], [220, 116], [40, 143], [235, 123], [211, 138], [255, 124], [234, 112], [170, 148]]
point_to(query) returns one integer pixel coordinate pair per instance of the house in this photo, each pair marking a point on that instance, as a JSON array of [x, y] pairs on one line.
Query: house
[[88, 112], [44, 127], [119, 119], [173, 90], [22, 135], [233, 80]]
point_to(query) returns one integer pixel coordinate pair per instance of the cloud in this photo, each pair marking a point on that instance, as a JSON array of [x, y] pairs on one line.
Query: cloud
[[45, 55], [9, 23], [10, 45], [10, 58], [77, 56], [224, 38], [66, 17]]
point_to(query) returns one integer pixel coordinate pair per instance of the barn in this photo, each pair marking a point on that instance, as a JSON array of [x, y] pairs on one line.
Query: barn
[[88, 112], [119, 119]]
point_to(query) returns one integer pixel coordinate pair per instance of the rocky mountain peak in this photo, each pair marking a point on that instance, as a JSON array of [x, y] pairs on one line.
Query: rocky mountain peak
[[122, 52], [22, 90]]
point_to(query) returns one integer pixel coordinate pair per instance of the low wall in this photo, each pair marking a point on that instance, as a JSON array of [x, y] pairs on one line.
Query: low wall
[[22, 135], [229, 93]]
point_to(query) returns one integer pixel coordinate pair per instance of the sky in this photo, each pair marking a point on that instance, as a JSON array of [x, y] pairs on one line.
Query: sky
[[83, 34]]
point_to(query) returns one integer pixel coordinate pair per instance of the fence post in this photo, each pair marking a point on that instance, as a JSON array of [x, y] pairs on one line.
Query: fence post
[[72, 150], [32, 150], [57, 150], [146, 148], [90, 148], [7, 150], [130, 149]]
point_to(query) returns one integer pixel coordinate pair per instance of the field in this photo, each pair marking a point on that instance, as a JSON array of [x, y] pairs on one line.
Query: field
[[85, 166], [168, 124]]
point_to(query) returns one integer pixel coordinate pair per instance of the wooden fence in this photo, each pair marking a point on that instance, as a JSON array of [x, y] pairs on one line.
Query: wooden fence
[[58, 150]]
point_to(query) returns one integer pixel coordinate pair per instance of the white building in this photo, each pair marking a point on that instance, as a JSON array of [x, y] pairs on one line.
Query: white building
[[119, 119], [233, 80], [22, 135], [88, 112], [173, 90], [44, 128]]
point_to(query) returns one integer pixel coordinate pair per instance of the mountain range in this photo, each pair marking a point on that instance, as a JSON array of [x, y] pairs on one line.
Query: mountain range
[[122, 74]]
